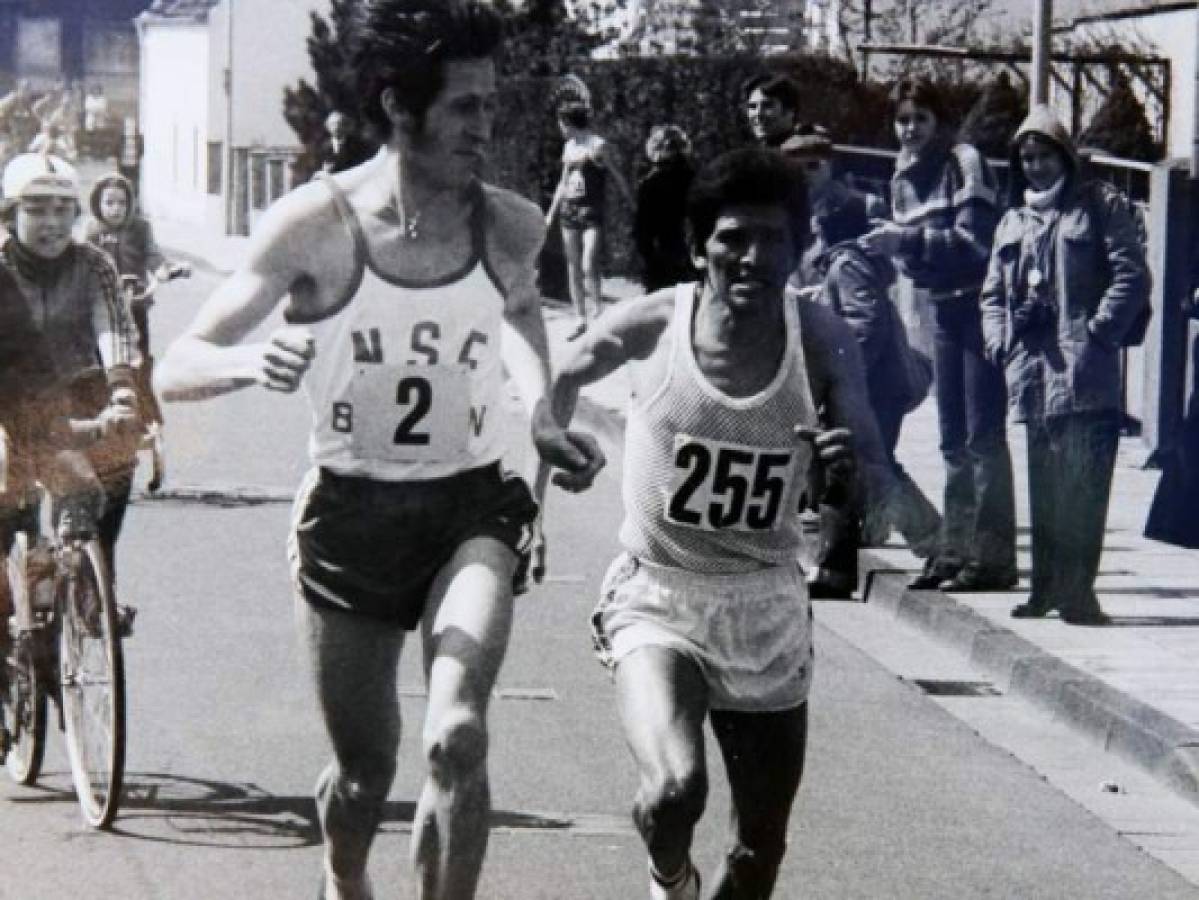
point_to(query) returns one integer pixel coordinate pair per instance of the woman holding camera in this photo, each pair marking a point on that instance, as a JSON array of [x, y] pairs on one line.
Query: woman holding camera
[[1066, 281]]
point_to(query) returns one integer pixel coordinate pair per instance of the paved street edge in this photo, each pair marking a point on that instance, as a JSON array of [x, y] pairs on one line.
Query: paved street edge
[[1109, 718]]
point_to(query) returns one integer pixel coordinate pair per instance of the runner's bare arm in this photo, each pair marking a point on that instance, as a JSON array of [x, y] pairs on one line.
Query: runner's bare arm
[[625, 332], [517, 234], [209, 358], [838, 378]]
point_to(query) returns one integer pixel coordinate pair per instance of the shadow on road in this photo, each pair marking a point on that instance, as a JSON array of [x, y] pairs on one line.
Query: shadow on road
[[175, 809]]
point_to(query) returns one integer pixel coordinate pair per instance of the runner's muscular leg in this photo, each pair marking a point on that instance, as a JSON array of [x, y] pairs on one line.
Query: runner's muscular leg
[[354, 663], [764, 756], [465, 634], [663, 700]]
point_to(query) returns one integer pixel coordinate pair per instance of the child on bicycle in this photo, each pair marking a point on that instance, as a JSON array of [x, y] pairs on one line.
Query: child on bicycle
[[71, 294], [117, 228]]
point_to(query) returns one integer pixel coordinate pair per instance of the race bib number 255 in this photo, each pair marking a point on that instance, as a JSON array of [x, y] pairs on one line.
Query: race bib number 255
[[717, 485]]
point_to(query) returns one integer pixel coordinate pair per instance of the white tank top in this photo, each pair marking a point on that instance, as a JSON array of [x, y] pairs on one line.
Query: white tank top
[[406, 384], [712, 482]]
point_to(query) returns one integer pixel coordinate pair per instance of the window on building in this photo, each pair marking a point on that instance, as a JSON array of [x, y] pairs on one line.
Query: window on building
[[258, 181], [216, 158]]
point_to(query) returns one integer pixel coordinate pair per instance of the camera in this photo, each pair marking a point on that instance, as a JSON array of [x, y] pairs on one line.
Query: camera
[[1038, 313]]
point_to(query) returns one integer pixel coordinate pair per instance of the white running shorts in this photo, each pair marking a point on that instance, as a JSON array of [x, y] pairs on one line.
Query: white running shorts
[[750, 634]]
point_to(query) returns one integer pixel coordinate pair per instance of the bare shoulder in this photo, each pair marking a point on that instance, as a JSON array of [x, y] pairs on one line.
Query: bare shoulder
[[637, 324], [515, 225]]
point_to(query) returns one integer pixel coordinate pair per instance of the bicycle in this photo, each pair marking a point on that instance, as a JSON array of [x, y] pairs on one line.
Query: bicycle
[[139, 294], [64, 645]]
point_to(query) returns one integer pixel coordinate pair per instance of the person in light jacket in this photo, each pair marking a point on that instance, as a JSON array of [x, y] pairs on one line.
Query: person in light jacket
[[1066, 281]]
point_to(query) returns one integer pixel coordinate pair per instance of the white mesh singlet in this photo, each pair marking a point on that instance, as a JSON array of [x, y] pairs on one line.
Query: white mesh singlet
[[712, 481]]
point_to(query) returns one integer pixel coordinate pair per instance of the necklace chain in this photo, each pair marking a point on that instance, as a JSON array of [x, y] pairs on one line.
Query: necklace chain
[[411, 225]]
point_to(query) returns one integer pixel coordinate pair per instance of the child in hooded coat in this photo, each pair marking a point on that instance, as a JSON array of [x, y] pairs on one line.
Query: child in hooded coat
[[117, 228]]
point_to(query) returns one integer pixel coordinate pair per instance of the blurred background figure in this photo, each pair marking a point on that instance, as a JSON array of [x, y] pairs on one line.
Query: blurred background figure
[[580, 202], [345, 146], [661, 200], [812, 150], [19, 124], [51, 139], [771, 106]]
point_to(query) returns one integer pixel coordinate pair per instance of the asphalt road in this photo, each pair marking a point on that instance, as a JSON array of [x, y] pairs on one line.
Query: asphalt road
[[900, 800]]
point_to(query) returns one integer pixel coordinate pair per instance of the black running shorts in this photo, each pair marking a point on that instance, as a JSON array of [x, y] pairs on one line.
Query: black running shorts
[[374, 547]]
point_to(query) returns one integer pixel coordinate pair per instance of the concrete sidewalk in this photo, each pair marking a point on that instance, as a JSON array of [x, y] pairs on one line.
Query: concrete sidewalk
[[1132, 688]]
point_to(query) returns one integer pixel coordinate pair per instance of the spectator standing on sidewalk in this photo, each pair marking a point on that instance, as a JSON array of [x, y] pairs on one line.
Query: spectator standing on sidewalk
[[944, 206], [580, 202], [1067, 280], [661, 203]]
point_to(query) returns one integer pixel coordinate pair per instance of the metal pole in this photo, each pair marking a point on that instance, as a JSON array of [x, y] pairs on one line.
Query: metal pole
[[1195, 113], [1042, 26], [230, 157]]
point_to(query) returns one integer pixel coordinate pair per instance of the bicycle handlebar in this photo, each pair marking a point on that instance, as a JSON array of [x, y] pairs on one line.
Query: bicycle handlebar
[[138, 288]]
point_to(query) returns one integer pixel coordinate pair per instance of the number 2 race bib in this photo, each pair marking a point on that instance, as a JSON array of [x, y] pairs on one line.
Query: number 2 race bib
[[718, 486], [410, 413]]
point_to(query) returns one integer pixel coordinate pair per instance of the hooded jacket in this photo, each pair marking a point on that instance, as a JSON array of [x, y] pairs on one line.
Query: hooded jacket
[[1095, 276], [856, 287], [129, 243]]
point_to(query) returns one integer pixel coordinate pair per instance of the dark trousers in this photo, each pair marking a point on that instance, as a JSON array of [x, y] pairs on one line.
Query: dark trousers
[[1070, 464], [912, 513], [845, 512], [980, 506]]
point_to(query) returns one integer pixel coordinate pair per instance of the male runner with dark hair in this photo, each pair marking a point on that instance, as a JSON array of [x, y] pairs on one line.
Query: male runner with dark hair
[[737, 390], [410, 285]]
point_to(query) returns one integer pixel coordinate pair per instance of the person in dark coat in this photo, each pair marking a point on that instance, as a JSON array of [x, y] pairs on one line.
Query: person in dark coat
[[661, 199], [855, 283], [1066, 281]]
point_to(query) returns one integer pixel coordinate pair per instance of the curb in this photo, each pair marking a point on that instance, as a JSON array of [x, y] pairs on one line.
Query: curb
[[1112, 720]]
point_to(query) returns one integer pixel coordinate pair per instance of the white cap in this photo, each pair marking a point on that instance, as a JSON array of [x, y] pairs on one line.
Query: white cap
[[40, 175]]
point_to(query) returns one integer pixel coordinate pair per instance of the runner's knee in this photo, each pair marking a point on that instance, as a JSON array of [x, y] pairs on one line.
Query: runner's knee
[[365, 777], [675, 800], [456, 744]]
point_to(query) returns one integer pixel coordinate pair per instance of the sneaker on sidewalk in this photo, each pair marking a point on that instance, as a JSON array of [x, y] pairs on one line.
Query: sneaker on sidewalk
[[1033, 608], [685, 885], [936, 571], [974, 578]]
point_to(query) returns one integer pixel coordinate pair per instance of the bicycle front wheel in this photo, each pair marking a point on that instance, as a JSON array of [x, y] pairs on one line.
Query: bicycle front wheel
[[92, 669], [24, 693]]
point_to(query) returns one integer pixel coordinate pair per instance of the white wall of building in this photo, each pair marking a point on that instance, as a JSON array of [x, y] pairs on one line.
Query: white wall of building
[[174, 107], [270, 52]]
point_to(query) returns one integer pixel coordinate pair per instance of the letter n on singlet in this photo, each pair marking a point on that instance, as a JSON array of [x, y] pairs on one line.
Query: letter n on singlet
[[368, 348], [478, 415]]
